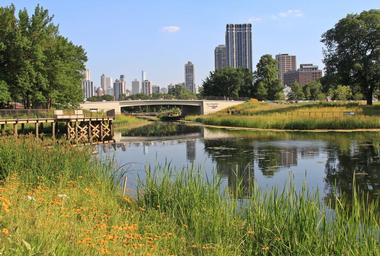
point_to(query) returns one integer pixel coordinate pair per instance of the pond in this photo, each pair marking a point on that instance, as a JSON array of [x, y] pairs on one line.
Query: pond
[[329, 162]]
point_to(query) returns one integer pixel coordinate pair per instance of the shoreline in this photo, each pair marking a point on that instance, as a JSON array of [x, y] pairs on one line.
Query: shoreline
[[192, 123]]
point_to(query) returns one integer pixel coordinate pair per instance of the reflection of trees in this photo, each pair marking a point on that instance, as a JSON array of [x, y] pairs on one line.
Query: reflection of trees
[[362, 159], [162, 129], [272, 158], [234, 160]]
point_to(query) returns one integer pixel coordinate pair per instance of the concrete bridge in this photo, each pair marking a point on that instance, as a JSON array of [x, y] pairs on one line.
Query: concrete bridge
[[200, 107]]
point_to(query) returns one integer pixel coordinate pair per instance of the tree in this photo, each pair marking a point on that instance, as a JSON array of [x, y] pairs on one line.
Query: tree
[[5, 96], [352, 54], [341, 92], [41, 67], [181, 92], [267, 85], [313, 91], [228, 82], [296, 92]]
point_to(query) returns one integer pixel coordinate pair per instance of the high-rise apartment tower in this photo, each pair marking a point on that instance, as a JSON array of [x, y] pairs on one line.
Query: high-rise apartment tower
[[285, 63], [220, 57], [239, 45]]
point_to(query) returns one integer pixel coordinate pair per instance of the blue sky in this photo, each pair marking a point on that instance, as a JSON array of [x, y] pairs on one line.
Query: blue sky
[[125, 36]]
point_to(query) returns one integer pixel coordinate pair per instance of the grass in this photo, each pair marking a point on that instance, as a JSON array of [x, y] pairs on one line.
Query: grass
[[60, 200], [302, 116], [125, 121]]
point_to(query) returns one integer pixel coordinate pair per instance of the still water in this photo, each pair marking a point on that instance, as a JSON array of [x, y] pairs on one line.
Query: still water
[[327, 162]]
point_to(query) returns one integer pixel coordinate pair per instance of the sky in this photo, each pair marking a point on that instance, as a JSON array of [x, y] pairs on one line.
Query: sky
[[160, 36]]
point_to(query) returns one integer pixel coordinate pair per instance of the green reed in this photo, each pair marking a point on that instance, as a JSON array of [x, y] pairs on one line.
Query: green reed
[[286, 222]]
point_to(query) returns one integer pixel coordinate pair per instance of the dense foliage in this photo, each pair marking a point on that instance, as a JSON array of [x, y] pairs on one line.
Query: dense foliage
[[39, 67], [267, 85], [352, 54], [228, 82]]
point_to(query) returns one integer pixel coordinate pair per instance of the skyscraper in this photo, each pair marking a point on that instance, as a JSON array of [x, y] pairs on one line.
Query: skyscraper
[[135, 87], [239, 45], [220, 57], [118, 89], [123, 84], [189, 77], [106, 84], [143, 76], [285, 63], [146, 87], [87, 85]]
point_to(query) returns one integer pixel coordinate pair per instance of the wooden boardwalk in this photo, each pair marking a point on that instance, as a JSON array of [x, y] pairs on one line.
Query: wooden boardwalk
[[77, 128]]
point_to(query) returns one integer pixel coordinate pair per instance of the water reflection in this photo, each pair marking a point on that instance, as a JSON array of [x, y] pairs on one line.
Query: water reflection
[[325, 161]]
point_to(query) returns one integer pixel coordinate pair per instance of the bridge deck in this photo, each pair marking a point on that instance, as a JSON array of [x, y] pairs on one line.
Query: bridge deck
[[51, 120]]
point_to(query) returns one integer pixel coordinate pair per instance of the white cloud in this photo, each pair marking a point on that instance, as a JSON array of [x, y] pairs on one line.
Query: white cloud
[[171, 29], [255, 19], [291, 13]]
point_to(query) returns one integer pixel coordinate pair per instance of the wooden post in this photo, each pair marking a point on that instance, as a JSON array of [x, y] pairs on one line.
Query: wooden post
[[3, 129], [89, 131], [53, 130], [101, 130], [76, 132], [37, 127], [15, 132]]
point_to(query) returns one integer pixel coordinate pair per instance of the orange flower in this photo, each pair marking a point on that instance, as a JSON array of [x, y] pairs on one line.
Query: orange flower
[[5, 231]]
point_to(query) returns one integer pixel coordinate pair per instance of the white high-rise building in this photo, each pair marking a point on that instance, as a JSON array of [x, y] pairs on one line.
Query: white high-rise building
[[106, 84], [135, 87], [155, 89], [143, 77], [189, 77]]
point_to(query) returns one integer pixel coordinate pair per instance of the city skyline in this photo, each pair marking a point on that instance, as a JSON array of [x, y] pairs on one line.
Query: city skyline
[[178, 31]]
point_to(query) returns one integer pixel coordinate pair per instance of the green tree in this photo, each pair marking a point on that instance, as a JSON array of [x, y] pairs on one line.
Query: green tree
[[341, 92], [5, 96], [181, 92], [352, 54], [296, 92], [267, 85], [41, 67], [228, 82], [313, 91]]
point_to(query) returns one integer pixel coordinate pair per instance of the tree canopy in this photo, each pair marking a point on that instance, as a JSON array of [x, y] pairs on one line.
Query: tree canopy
[[267, 86], [352, 53], [39, 67], [228, 82]]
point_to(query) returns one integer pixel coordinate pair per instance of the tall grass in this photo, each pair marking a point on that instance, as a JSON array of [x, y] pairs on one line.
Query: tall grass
[[60, 200], [305, 116], [126, 121], [272, 223]]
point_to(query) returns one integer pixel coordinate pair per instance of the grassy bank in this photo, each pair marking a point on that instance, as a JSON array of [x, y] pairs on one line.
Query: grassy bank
[[125, 121], [302, 116], [59, 200]]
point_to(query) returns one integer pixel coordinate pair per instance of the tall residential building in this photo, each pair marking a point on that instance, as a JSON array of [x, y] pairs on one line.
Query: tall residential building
[[285, 63], [118, 89], [106, 84], [305, 74], [87, 85], [87, 74], [135, 87], [189, 77], [220, 57], [146, 87], [123, 84], [88, 89], [239, 45], [143, 77], [163, 90]]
